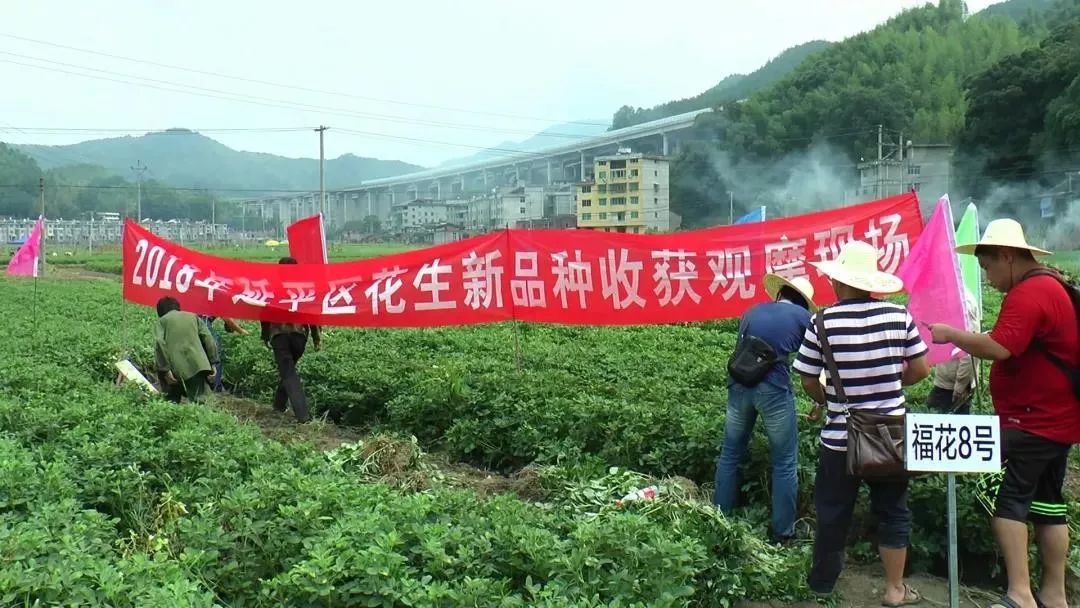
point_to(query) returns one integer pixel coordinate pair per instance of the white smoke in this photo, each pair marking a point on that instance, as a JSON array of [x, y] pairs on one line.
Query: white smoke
[[820, 177]]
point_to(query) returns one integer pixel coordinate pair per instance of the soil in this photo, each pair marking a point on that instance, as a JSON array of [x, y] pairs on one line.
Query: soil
[[862, 586], [326, 436], [78, 272]]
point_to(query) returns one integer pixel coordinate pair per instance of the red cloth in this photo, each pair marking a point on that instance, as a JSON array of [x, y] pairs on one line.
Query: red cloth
[[1029, 391]]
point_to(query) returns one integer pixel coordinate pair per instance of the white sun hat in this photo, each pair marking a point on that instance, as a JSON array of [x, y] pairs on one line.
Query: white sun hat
[[1002, 233], [857, 266], [774, 283]]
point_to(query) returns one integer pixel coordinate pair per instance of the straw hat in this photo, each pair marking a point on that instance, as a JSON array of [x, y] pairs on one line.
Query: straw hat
[[857, 267], [774, 283], [1002, 233]]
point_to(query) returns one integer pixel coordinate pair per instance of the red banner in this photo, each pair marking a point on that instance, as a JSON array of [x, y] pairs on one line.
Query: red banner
[[307, 240], [552, 276]]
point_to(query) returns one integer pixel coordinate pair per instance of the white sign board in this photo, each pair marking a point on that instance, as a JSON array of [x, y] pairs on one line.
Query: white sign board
[[130, 374], [952, 443]]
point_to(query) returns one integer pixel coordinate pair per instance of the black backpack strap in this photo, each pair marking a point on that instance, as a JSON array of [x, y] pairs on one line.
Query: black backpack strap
[[828, 358], [1037, 344]]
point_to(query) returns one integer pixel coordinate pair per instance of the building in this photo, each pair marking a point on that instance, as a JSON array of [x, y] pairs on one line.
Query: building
[[629, 194], [517, 205], [416, 214], [560, 201], [90, 233], [926, 168]]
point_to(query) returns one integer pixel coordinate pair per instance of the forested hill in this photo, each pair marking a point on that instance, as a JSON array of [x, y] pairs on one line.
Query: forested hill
[[908, 74], [188, 159], [735, 86]]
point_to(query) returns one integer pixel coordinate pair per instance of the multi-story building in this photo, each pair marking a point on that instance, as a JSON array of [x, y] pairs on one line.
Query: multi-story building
[[926, 168], [517, 205], [416, 214], [629, 194]]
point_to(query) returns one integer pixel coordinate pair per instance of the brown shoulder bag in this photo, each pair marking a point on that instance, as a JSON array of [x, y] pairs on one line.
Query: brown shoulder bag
[[875, 442]]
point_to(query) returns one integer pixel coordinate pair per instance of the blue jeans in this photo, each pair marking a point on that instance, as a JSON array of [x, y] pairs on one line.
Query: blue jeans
[[777, 408]]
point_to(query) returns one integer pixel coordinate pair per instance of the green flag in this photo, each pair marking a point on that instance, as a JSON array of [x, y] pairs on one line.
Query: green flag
[[967, 233]]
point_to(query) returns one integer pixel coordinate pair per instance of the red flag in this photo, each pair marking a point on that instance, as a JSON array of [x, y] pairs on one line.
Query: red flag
[[307, 240]]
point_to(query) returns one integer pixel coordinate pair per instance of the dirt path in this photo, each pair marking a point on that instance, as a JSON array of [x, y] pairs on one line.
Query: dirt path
[[861, 586], [77, 272], [435, 468]]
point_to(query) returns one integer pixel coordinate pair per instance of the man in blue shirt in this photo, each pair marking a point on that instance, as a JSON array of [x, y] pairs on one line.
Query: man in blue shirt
[[782, 324]]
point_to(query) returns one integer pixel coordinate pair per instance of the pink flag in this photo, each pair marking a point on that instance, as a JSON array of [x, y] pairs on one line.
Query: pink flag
[[25, 261], [931, 275], [307, 240]]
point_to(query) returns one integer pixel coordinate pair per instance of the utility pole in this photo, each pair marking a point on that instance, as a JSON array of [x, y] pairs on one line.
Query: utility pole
[[91, 233], [322, 168], [879, 159], [44, 232], [902, 169], [139, 169]]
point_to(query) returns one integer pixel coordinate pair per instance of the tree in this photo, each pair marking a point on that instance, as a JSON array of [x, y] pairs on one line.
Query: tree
[[1023, 111], [19, 176], [696, 186]]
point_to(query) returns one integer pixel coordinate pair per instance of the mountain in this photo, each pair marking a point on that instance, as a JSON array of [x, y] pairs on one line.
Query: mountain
[[184, 158], [1017, 10], [554, 135], [907, 75], [731, 88]]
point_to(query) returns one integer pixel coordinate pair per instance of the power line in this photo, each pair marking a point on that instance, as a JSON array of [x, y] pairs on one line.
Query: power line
[[149, 187], [522, 153], [300, 88], [272, 100], [158, 131]]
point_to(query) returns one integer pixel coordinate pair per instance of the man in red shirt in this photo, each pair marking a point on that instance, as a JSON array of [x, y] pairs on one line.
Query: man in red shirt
[[1039, 412]]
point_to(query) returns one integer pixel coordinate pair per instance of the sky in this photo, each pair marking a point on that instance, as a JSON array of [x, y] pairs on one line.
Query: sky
[[419, 81]]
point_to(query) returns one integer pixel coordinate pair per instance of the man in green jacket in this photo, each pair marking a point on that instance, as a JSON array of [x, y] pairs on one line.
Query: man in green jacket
[[184, 351]]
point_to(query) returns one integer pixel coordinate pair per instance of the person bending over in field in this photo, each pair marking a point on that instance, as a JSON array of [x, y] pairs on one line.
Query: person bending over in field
[[288, 341], [184, 352], [759, 383]]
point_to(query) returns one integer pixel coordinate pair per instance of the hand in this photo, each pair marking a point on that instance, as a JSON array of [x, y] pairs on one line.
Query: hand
[[267, 344], [212, 377], [170, 378], [815, 413], [317, 345], [242, 331], [941, 333], [960, 395]]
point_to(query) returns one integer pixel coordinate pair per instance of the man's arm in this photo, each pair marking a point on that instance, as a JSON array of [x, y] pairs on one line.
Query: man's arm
[[316, 336], [159, 358], [208, 343], [265, 331], [980, 345], [812, 386], [917, 370], [233, 327]]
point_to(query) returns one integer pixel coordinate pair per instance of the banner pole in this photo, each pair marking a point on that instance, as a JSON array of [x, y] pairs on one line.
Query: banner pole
[[954, 574]]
